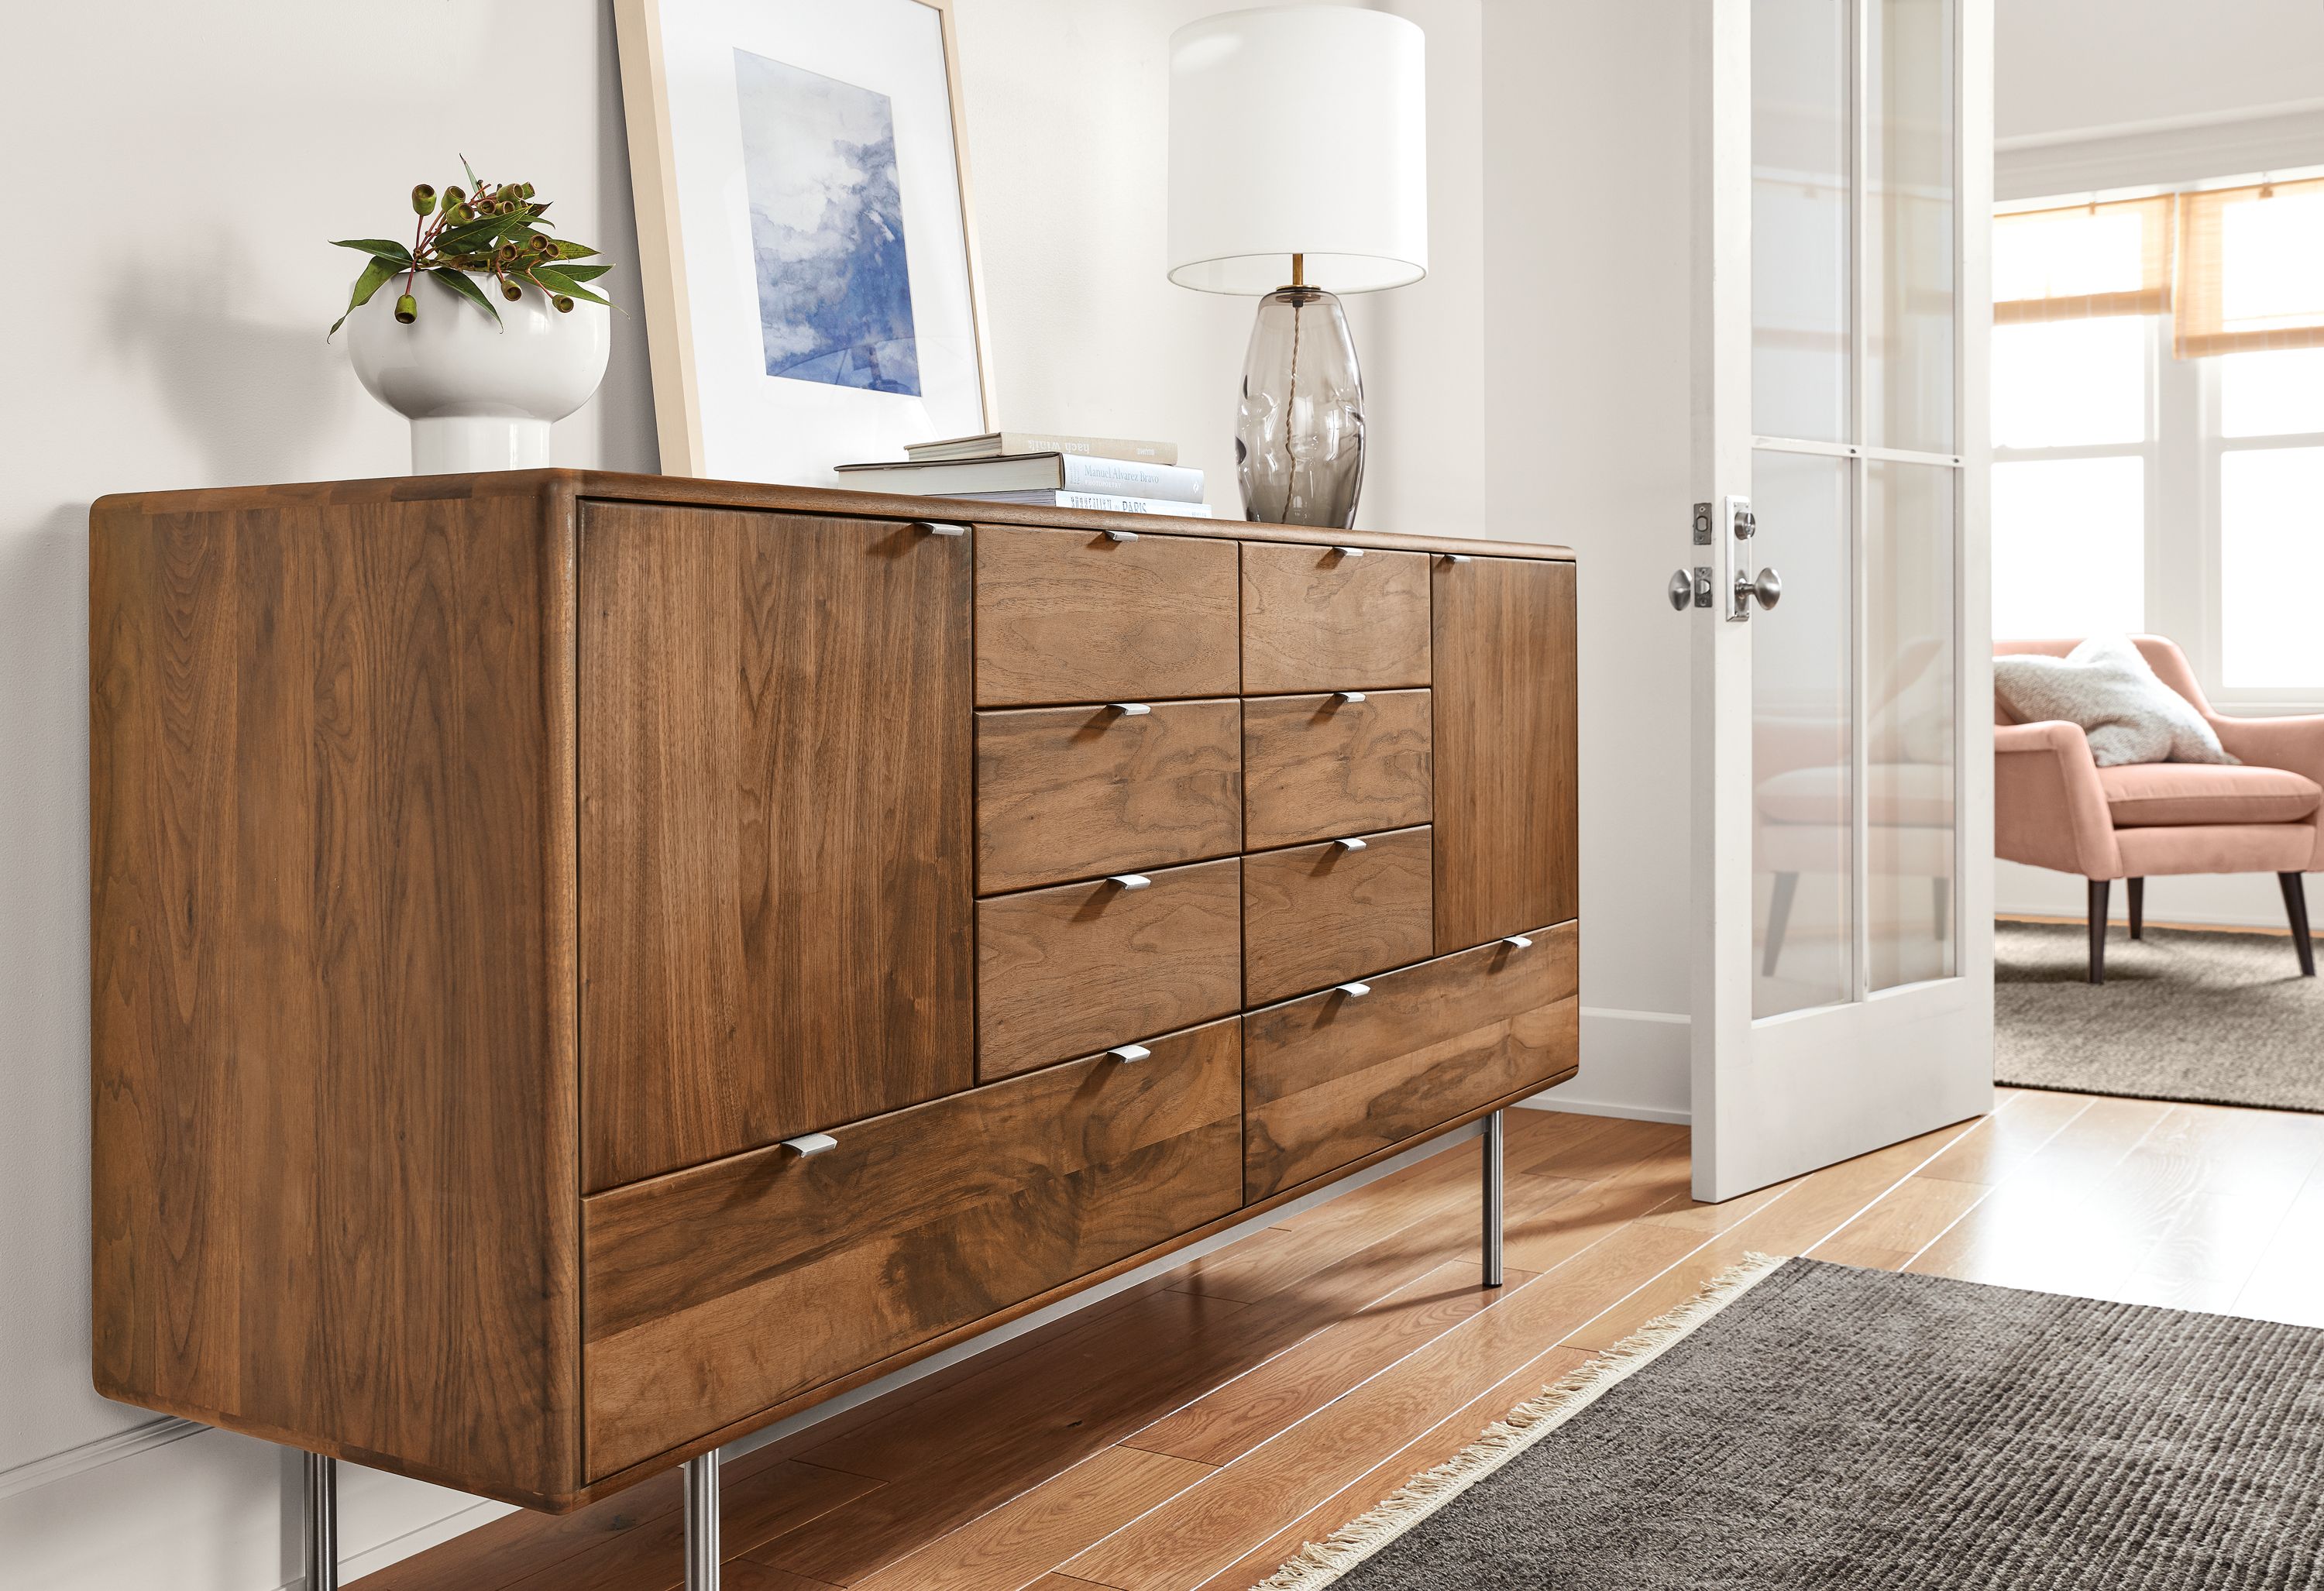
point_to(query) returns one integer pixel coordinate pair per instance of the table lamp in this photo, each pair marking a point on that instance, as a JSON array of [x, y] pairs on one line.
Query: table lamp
[[1298, 164]]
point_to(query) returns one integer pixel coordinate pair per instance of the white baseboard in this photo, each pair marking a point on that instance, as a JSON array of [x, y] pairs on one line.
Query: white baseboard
[[1638, 1064], [105, 1450]]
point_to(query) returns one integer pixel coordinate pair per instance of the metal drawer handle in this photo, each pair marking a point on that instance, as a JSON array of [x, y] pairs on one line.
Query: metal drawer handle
[[1130, 709], [1349, 844], [1354, 991], [1129, 880], [1456, 557], [1349, 552], [1127, 1054], [1518, 942], [809, 1144], [1349, 695], [1122, 536], [941, 527]]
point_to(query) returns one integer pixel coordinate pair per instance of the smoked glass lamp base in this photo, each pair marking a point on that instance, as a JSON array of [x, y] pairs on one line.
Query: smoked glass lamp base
[[1299, 431]]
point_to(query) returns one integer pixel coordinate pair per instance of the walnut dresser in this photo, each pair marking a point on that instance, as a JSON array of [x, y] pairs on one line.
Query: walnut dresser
[[587, 965]]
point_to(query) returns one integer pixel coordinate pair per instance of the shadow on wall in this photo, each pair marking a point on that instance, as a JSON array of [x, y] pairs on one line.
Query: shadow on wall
[[290, 390]]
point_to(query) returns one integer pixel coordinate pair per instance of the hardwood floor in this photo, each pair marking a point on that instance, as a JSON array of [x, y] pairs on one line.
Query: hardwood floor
[[1195, 1433]]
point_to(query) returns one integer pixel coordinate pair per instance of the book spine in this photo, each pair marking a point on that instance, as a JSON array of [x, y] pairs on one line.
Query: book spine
[[1125, 478], [1110, 503]]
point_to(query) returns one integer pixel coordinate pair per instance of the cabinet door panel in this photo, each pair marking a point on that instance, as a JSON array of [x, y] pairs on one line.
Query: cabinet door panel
[[1322, 914], [1074, 616], [1507, 846], [1316, 619], [776, 829], [1315, 766]]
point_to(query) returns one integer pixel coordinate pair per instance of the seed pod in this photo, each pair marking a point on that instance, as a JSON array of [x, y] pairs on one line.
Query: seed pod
[[423, 200], [407, 308], [455, 197], [564, 305], [510, 290]]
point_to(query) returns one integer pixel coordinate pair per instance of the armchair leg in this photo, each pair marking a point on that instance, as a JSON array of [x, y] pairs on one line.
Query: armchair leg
[[2097, 929], [1779, 912], [2137, 907], [2295, 907]]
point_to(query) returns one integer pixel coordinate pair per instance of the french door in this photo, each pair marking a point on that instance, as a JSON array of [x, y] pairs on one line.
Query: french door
[[1835, 580]]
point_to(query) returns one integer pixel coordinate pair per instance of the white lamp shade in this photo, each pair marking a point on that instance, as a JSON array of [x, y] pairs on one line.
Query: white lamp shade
[[1298, 130]]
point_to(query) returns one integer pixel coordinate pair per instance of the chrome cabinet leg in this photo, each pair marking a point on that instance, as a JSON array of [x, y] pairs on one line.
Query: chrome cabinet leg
[[702, 1523], [322, 1522], [1493, 1200]]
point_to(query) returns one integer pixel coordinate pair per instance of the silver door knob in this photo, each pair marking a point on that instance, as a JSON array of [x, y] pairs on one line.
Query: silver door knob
[[1681, 591], [1768, 586]]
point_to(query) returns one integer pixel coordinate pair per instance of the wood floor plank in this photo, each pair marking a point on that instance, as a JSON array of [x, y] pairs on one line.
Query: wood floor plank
[[2021, 1122], [1900, 1223], [739, 1573], [2288, 1283], [1432, 1447], [1224, 1424], [652, 1557], [1241, 1504], [1012, 1546]]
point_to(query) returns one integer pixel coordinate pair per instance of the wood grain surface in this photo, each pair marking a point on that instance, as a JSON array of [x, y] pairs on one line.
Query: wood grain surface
[[1329, 1077], [1073, 791], [723, 1288], [1508, 839], [1314, 767], [1067, 971], [776, 801], [1319, 913], [1314, 619], [1073, 616], [331, 1047]]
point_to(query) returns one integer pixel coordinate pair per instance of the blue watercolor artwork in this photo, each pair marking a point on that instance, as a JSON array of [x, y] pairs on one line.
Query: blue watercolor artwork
[[826, 229]]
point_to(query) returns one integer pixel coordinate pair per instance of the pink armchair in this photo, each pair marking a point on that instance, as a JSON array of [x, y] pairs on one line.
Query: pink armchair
[[2054, 808]]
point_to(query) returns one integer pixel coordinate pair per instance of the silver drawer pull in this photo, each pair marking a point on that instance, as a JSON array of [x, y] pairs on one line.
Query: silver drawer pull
[[1349, 552], [1354, 991], [1349, 844], [1122, 536], [1126, 1054], [809, 1144], [940, 528], [1349, 695], [1518, 942], [1130, 709], [1456, 557], [1129, 880]]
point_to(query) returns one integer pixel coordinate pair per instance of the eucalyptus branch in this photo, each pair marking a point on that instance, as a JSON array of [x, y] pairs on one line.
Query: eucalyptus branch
[[498, 230]]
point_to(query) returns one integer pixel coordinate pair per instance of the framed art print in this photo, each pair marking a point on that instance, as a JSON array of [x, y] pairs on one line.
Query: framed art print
[[806, 251]]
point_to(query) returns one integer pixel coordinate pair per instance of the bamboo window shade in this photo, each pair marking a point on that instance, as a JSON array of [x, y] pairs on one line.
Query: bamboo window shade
[[2083, 262], [2250, 271]]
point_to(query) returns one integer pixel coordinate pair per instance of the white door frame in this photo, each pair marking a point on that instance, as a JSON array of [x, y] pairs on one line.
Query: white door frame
[[1781, 1095]]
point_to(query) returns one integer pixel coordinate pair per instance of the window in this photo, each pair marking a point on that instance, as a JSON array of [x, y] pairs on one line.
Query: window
[[2158, 430]]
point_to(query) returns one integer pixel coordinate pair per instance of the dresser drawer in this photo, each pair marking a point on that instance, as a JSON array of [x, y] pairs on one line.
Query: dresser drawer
[[1076, 969], [1314, 619], [1075, 792], [1330, 1077], [1322, 914], [1074, 616], [720, 1291], [1320, 766]]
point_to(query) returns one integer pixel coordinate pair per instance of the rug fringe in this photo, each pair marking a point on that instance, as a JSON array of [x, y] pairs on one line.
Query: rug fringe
[[1320, 1563]]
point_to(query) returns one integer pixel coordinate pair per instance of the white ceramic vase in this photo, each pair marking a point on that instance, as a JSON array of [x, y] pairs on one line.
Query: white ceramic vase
[[479, 396]]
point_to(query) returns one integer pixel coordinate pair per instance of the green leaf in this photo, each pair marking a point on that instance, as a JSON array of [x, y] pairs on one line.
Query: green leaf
[[380, 271], [580, 272], [550, 280], [569, 250], [471, 170], [376, 245], [462, 284], [470, 237]]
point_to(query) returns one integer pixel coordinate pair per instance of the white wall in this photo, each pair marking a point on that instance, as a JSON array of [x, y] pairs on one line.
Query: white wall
[[1587, 376], [164, 328]]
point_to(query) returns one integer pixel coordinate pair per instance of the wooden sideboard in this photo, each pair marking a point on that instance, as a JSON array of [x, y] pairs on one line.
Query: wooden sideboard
[[498, 882]]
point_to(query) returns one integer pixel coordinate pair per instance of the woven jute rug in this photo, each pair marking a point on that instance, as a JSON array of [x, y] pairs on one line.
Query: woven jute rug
[[2214, 1018], [1804, 1424]]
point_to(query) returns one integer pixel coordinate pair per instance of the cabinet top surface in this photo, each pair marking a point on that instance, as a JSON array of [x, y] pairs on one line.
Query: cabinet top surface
[[570, 485]]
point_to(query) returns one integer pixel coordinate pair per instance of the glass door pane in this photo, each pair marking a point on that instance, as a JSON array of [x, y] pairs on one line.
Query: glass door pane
[[1800, 220], [1910, 701], [1802, 846], [1909, 200]]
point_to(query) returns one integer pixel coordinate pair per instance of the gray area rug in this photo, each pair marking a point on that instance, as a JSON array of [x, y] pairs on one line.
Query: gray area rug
[[1839, 1428], [2218, 1018]]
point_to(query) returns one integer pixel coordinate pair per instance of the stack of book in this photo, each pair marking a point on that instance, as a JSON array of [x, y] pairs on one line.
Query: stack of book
[[1091, 473]]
